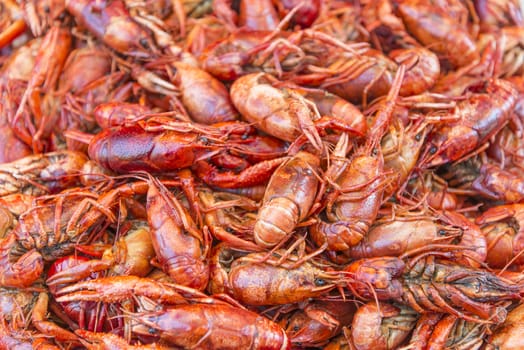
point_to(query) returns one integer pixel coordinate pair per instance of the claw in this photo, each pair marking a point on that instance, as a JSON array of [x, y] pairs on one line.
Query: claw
[[78, 272], [94, 341], [254, 175], [496, 214], [300, 107], [118, 288], [46, 327], [23, 272]]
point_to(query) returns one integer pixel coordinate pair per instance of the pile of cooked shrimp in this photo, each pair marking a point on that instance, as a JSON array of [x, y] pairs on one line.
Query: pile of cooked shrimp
[[261, 174]]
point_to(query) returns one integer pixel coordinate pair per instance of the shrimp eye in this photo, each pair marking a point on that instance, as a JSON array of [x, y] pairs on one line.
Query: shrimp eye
[[433, 150], [320, 282], [204, 139], [442, 232], [418, 136], [296, 328], [144, 43]]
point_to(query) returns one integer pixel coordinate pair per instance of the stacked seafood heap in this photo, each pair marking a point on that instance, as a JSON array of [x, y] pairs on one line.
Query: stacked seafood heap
[[261, 174]]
